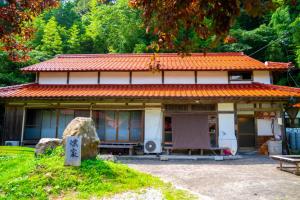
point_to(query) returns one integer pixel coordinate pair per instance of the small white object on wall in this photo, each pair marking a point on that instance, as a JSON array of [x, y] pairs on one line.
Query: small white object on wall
[[280, 121], [264, 127]]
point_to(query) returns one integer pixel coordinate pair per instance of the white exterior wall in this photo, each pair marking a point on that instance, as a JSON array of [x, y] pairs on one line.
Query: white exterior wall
[[262, 77], [264, 127], [146, 78], [83, 78], [114, 78], [153, 127], [226, 122], [53, 78], [212, 77], [225, 107], [179, 77]]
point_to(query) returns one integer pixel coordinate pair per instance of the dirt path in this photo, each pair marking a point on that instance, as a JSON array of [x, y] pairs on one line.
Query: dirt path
[[253, 177]]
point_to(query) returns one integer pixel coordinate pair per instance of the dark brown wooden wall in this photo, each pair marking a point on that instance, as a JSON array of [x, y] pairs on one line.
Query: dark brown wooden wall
[[2, 111], [12, 123]]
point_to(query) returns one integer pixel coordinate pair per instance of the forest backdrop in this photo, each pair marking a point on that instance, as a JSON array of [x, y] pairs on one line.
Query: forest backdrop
[[93, 26]]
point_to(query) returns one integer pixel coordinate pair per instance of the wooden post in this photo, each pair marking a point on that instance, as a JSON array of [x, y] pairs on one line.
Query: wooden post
[[23, 126], [91, 111], [130, 151]]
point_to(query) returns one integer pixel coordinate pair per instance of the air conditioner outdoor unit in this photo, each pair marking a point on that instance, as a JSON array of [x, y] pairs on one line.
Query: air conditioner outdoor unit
[[12, 143], [152, 146]]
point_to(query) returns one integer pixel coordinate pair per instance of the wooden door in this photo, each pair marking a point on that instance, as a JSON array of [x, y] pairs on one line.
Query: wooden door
[[246, 131]]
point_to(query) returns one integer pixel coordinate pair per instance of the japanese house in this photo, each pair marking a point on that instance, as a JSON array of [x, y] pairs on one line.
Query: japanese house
[[154, 101]]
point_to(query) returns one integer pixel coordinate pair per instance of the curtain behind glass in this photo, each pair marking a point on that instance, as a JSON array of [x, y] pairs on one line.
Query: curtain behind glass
[[136, 126], [123, 129]]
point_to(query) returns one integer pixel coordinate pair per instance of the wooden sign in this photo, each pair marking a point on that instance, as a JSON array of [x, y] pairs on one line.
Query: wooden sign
[[73, 151]]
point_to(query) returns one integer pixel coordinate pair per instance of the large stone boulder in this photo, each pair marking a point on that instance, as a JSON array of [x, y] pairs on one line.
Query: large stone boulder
[[45, 144], [85, 127]]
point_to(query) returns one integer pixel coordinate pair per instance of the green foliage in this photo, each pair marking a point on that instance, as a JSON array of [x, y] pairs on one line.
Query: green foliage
[[93, 26], [25, 177], [74, 40], [295, 29], [114, 28], [10, 71], [280, 20], [51, 42]]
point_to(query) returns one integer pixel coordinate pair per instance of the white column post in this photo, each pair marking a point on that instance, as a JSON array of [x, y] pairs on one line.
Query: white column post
[[226, 118], [23, 125], [153, 127]]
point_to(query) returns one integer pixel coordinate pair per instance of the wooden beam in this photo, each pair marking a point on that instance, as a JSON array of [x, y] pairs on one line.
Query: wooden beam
[[98, 80], [130, 77], [37, 77], [68, 77], [91, 110]]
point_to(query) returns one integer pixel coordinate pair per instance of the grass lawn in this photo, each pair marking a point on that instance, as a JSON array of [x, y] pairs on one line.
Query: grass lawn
[[22, 176]]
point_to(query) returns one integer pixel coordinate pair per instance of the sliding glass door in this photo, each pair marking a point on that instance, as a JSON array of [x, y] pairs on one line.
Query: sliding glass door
[[123, 125], [111, 125], [119, 126]]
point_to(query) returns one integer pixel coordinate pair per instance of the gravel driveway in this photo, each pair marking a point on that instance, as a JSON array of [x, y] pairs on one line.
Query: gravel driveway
[[252, 177]]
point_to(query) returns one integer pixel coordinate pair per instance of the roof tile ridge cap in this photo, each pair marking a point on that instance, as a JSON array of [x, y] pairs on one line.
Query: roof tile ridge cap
[[231, 53], [280, 87], [287, 64], [104, 55], [268, 61], [17, 86], [36, 64]]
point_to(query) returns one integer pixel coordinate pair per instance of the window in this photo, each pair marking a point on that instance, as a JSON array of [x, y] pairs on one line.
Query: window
[[33, 124], [240, 76], [66, 116], [204, 107], [212, 128], [120, 126], [40, 124], [168, 129], [177, 107]]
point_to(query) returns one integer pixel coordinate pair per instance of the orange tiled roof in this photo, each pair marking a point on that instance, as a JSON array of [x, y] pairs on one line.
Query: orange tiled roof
[[297, 105], [278, 64], [141, 62], [254, 90]]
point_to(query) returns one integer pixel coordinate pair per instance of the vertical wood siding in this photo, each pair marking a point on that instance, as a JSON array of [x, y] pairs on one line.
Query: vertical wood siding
[[12, 123]]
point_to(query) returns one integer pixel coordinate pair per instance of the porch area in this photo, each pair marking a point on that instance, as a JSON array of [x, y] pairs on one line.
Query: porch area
[[190, 128]]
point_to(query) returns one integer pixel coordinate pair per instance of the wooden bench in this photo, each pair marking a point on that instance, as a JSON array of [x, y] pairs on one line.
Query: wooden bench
[[291, 160], [169, 148], [129, 146]]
